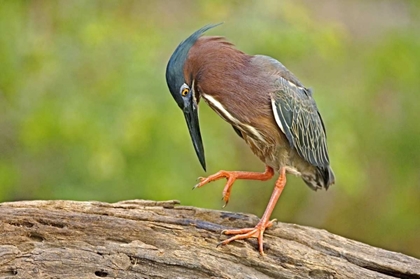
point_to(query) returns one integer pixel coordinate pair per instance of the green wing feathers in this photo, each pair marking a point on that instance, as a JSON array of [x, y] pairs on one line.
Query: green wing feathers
[[297, 116]]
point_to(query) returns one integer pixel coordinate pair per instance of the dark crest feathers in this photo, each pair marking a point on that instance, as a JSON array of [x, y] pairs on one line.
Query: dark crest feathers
[[174, 69]]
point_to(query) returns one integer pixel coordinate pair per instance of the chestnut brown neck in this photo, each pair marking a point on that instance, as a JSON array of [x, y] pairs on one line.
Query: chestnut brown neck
[[212, 60], [228, 75]]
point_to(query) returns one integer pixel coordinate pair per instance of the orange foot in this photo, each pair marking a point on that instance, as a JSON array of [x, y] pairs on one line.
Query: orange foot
[[231, 177], [264, 223], [257, 232]]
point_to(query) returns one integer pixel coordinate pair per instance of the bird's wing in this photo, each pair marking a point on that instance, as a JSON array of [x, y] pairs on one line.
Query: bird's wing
[[297, 115]]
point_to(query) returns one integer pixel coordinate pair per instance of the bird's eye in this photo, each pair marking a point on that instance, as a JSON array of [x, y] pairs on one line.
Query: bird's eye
[[185, 92]]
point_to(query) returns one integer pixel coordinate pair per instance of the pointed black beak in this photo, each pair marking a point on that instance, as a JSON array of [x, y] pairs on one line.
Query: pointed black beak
[[191, 116]]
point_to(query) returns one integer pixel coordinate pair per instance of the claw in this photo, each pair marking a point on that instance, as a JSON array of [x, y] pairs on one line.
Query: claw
[[272, 222], [225, 200], [226, 195], [256, 232], [226, 203]]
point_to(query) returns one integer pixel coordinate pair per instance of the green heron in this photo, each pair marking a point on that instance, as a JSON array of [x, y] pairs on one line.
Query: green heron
[[267, 106]]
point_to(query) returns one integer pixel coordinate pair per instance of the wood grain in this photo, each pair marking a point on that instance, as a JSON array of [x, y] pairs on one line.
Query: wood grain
[[149, 239]]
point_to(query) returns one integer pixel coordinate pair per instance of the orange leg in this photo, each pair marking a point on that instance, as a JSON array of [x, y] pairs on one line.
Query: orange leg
[[264, 223], [231, 176]]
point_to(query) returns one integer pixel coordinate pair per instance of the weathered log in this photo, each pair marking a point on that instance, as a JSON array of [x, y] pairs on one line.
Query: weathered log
[[148, 239]]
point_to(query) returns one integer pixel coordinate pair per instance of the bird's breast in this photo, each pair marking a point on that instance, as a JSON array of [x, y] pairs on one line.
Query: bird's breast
[[257, 127], [250, 112], [241, 123], [274, 154]]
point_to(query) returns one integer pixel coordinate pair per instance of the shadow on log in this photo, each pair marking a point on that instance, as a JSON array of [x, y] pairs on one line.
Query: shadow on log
[[148, 239]]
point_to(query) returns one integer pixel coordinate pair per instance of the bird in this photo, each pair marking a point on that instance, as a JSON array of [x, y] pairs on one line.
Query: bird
[[267, 106]]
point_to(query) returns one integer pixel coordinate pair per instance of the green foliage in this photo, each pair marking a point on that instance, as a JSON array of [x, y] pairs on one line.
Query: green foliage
[[85, 112]]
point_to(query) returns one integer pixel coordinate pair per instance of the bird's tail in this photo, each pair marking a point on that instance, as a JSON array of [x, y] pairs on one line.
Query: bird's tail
[[322, 178]]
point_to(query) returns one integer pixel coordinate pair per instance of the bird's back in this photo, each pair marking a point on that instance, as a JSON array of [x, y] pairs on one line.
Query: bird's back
[[298, 119]]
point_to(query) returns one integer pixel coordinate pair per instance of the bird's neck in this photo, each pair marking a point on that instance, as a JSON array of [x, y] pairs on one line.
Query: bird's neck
[[213, 62]]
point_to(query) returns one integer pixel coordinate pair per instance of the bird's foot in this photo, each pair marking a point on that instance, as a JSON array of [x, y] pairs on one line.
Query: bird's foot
[[256, 232], [231, 177]]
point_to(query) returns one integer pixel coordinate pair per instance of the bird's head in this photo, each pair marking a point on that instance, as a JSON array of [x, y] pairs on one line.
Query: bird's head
[[183, 91]]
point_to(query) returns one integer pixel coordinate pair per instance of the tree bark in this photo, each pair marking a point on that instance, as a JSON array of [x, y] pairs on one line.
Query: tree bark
[[148, 239]]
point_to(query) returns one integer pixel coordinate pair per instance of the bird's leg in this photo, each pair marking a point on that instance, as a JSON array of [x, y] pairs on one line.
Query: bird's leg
[[264, 223], [231, 176]]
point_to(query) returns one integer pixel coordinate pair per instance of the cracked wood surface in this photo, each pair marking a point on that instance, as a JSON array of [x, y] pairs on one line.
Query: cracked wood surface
[[148, 239]]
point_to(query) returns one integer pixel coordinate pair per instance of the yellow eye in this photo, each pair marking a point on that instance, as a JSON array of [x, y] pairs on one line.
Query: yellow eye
[[185, 92]]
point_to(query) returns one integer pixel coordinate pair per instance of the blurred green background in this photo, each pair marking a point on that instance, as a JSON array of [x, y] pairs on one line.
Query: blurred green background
[[85, 112]]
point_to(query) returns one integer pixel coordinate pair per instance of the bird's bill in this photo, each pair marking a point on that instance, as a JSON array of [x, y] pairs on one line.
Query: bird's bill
[[191, 116]]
